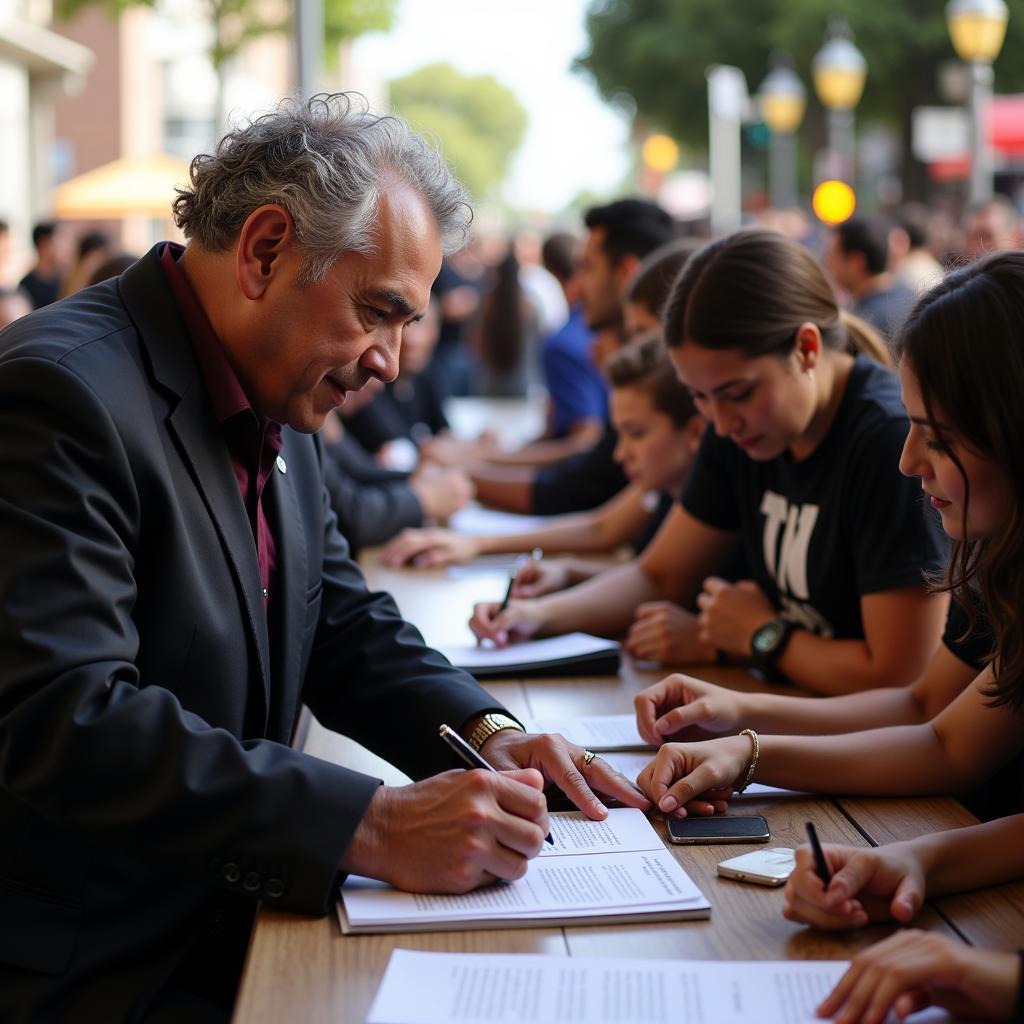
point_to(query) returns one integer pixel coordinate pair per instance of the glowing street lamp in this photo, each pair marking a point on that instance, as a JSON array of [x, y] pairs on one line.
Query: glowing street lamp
[[782, 100], [978, 28], [839, 71]]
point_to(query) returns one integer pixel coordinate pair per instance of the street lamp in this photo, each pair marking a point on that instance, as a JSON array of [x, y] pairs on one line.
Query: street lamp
[[839, 70], [978, 28], [782, 99]]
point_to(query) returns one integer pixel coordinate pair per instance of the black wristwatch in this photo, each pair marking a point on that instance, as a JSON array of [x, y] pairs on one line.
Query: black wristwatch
[[768, 643]]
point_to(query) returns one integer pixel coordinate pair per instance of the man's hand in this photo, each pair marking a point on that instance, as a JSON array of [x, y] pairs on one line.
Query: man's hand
[[730, 614], [668, 634], [562, 764], [452, 832], [429, 548], [678, 702], [440, 492]]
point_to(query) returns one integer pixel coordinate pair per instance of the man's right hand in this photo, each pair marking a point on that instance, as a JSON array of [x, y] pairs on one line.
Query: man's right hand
[[678, 702], [451, 832], [430, 548]]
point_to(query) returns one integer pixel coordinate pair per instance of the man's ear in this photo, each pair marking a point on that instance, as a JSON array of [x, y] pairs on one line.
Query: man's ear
[[624, 271], [263, 242]]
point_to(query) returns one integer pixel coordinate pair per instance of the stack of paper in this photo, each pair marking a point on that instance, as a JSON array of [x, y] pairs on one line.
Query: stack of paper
[[557, 655], [596, 872]]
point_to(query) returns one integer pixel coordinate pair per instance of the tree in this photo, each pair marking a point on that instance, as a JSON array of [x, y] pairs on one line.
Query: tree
[[477, 122], [655, 52], [238, 22]]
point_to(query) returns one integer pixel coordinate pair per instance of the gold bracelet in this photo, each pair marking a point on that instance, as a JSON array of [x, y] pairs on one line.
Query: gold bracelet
[[753, 759]]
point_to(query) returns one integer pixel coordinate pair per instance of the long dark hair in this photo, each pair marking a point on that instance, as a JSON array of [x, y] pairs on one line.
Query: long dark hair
[[503, 323], [751, 291], [964, 342]]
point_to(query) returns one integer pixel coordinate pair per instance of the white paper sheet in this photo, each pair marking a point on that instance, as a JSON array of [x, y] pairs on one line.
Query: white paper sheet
[[481, 988], [596, 732], [533, 652], [474, 521], [628, 763], [616, 866], [757, 789]]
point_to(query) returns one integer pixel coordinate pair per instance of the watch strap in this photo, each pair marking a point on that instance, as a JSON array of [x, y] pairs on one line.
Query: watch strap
[[491, 723]]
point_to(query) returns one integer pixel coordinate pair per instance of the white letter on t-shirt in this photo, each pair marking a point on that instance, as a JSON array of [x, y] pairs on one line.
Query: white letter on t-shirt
[[790, 571]]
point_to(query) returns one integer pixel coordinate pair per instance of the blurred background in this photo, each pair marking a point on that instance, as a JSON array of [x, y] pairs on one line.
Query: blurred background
[[792, 112]]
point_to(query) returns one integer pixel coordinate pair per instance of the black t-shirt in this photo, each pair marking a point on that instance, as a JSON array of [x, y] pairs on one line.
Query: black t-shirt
[[412, 407], [974, 648], [581, 482], [819, 534]]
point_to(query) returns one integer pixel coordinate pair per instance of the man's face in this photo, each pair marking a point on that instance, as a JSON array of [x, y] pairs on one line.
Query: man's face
[[838, 264], [989, 230], [308, 346], [598, 282]]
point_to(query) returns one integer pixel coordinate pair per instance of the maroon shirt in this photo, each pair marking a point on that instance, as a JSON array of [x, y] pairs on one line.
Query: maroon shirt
[[253, 441]]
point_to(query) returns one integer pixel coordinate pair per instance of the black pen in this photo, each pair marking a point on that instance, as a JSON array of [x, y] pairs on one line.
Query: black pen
[[820, 864], [472, 757], [508, 594]]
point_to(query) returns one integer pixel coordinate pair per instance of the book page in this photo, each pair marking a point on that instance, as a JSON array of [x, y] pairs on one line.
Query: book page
[[481, 988], [597, 732], [624, 829], [561, 886], [532, 652]]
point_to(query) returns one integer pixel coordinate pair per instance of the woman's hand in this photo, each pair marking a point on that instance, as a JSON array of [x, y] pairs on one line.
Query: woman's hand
[[518, 621], [911, 970], [429, 548], [678, 702], [668, 634], [730, 614], [867, 885], [534, 578], [696, 778]]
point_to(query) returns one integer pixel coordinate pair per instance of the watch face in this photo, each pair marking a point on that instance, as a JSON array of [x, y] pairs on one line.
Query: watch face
[[767, 637]]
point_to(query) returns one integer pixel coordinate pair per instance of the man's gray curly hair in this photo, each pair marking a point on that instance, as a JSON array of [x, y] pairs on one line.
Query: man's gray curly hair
[[327, 161]]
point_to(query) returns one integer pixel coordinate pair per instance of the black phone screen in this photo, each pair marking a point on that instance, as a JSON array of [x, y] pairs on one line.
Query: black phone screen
[[726, 829]]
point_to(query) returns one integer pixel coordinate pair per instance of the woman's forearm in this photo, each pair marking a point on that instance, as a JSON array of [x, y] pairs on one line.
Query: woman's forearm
[[969, 858], [810, 716]]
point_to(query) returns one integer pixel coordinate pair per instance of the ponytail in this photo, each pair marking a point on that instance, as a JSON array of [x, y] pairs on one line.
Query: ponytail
[[862, 338]]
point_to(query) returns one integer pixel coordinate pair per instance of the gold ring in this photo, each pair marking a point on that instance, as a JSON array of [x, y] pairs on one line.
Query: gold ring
[[588, 756]]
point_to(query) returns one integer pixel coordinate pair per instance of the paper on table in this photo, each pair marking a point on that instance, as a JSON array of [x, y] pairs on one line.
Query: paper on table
[[609, 869], [596, 732], [474, 521], [556, 650], [757, 789], [629, 764], [486, 988]]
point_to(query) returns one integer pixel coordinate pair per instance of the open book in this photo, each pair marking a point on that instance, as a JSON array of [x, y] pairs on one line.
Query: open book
[[595, 872], [556, 655], [504, 988]]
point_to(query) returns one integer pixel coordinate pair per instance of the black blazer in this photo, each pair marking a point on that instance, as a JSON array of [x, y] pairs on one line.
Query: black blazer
[[144, 710]]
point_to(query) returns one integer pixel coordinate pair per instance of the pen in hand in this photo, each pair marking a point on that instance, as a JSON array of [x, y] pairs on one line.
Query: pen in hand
[[535, 556], [820, 864], [471, 757]]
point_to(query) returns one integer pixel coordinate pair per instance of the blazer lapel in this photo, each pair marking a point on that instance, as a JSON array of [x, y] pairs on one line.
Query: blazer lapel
[[161, 328], [290, 593]]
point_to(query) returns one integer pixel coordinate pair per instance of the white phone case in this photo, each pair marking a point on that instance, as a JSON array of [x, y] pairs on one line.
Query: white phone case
[[762, 867]]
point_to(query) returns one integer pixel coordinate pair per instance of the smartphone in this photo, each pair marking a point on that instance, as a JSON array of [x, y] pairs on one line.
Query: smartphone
[[727, 829], [762, 867]]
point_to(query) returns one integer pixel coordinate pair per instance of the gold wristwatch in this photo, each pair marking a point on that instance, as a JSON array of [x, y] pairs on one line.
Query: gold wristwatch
[[488, 726]]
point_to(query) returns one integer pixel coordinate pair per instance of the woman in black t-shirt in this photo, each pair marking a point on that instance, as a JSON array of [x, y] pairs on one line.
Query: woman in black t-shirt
[[800, 468], [962, 376]]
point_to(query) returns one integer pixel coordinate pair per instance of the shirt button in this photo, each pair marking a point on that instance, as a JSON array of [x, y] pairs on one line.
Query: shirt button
[[231, 872], [252, 882], [274, 888], [264, 593]]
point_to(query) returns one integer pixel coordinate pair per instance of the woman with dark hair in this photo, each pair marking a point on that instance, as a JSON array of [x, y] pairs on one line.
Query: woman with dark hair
[[962, 375], [658, 434], [800, 469]]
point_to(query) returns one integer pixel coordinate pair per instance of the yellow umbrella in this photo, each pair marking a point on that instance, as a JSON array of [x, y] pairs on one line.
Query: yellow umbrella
[[140, 186]]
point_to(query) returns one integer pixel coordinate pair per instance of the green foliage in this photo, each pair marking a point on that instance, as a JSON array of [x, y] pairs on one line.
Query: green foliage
[[657, 51], [477, 122], [237, 22]]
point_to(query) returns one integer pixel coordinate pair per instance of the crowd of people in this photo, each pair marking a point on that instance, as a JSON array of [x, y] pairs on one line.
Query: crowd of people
[[796, 453]]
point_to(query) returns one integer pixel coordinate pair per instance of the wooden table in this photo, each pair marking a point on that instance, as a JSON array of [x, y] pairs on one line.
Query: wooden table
[[303, 969]]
